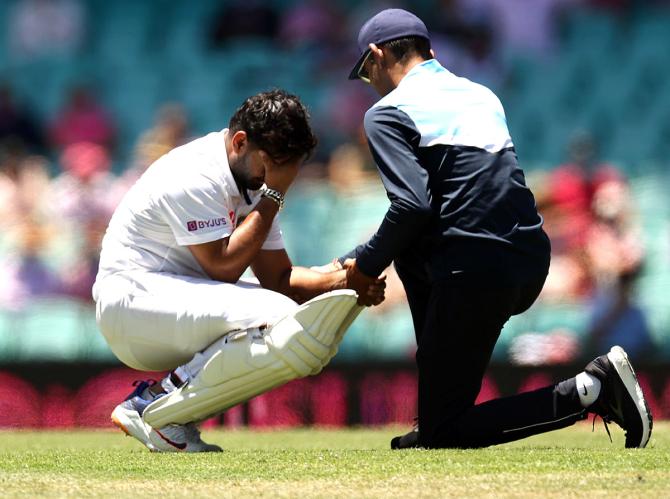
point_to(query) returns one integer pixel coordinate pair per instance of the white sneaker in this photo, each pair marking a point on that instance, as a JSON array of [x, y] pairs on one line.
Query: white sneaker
[[170, 438], [180, 438], [128, 416]]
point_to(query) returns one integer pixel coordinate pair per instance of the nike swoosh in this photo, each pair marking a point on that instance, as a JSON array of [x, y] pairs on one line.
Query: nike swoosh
[[172, 443], [585, 391]]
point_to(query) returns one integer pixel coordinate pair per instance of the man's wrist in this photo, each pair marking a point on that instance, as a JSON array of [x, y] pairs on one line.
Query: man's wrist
[[340, 279], [274, 195], [365, 269]]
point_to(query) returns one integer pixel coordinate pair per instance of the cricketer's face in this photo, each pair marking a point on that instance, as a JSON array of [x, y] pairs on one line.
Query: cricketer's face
[[249, 169]]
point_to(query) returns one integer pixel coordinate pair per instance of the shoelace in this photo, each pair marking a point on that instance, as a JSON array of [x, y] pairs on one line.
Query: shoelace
[[605, 420]]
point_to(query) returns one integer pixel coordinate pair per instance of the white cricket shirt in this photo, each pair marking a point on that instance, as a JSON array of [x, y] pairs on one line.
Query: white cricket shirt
[[188, 196]]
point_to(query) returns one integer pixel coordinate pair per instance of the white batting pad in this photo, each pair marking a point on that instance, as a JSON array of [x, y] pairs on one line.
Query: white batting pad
[[247, 363]]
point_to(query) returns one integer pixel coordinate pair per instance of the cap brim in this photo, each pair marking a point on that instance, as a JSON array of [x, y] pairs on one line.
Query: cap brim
[[354, 72]]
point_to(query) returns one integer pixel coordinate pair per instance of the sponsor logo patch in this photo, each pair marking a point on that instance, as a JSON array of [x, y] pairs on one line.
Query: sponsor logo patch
[[193, 225]]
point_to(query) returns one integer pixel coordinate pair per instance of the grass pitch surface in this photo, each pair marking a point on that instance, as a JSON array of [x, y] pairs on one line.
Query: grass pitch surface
[[338, 463]]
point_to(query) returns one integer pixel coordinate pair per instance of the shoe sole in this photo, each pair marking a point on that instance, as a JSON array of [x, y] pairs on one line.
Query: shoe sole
[[619, 360], [130, 422], [165, 444], [134, 426]]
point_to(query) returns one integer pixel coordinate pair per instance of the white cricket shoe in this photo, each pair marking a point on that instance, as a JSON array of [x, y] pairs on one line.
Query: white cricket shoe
[[180, 438], [128, 416], [171, 438]]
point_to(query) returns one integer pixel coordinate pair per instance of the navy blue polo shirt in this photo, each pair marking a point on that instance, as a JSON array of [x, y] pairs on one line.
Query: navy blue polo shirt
[[459, 200]]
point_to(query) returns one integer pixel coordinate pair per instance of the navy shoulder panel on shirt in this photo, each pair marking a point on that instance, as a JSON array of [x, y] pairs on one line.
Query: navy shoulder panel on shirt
[[394, 141], [379, 117]]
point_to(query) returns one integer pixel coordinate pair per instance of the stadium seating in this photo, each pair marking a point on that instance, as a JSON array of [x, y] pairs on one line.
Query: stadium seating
[[609, 75], [52, 330], [19, 402]]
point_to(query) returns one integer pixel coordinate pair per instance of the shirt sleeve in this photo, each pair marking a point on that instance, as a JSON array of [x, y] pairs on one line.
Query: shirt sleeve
[[393, 140], [197, 211]]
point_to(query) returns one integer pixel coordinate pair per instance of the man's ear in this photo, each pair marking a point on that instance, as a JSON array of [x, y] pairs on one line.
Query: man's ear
[[240, 142], [377, 54]]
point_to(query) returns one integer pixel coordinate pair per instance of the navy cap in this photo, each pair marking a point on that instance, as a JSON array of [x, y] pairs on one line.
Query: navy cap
[[389, 24]]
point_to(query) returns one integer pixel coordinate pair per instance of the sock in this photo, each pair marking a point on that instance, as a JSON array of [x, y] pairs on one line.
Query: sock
[[588, 387]]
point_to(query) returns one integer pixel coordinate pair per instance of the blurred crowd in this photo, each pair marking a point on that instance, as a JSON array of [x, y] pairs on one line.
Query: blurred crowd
[[597, 252], [61, 177]]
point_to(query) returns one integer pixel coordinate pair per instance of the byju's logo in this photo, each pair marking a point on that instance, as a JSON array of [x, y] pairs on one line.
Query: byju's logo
[[203, 224]]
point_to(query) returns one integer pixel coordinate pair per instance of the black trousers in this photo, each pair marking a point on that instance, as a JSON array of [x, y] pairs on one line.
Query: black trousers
[[457, 322]]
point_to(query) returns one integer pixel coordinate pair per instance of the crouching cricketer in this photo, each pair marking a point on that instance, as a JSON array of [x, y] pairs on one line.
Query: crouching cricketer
[[169, 294]]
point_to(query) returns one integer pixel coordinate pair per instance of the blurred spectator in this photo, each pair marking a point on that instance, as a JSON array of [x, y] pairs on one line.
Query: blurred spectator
[[243, 19], [82, 119], [17, 123], [520, 26], [45, 27], [481, 63], [12, 155], [463, 43], [84, 190], [77, 279], [573, 184], [350, 174], [615, 259], [558, 346], [170, 130], [24, 183], [617, 320], [566, 207], [613, 243], [358, 201], [342, 115], [357, 204], [309, 23], [453, 21], [26, 275], [82, 199]]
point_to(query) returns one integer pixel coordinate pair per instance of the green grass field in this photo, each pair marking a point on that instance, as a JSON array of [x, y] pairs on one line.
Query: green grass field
[[343, 463]]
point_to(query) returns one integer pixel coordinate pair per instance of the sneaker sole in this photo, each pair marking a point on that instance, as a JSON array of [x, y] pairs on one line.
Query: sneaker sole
[[165, 444], [619, 360], [132, 425]]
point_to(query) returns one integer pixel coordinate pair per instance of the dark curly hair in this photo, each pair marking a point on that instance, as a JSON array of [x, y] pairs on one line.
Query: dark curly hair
[[277, 123]]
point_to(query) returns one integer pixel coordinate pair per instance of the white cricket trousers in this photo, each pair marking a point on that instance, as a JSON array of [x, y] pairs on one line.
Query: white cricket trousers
[[155, 321]]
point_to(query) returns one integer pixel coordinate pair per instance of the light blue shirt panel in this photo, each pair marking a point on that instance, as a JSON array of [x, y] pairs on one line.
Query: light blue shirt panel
[[450, 110]]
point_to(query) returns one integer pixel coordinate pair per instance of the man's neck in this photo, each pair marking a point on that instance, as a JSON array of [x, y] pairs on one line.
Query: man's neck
[[399, 71]]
